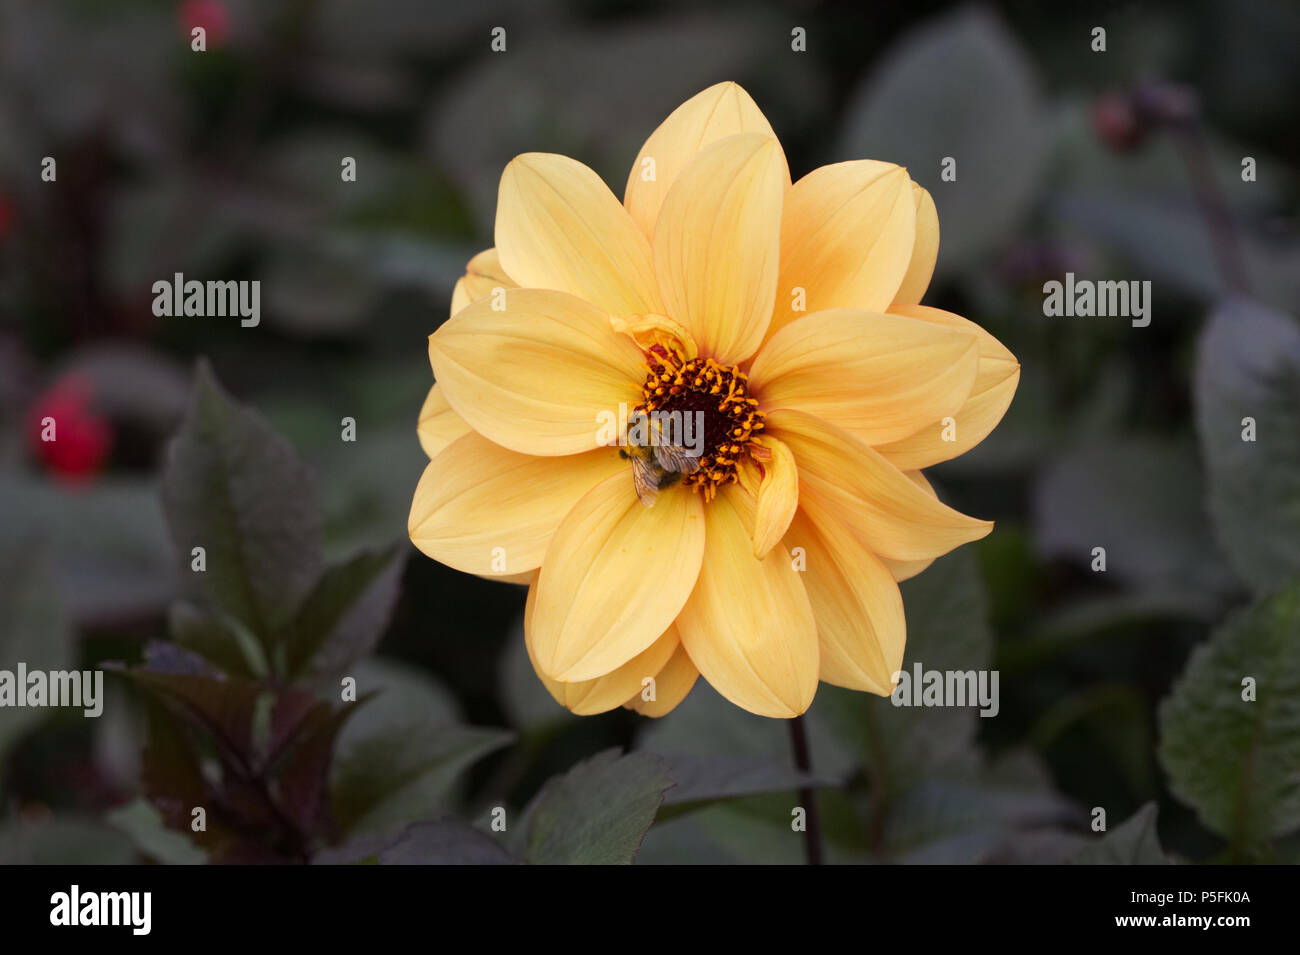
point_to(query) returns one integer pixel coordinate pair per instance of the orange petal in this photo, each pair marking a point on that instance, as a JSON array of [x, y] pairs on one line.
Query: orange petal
[[860, 626], [880, 377], [717, 241], [439, 426], [538, 377], [559, 227], [907, 569], [672, 684], [486, 510], [482, 276], [925, 251], [847, 233], [720, 111], [748, 625], [612, 690], [996, 378], [614, 577], [889, 512], [776, 493]]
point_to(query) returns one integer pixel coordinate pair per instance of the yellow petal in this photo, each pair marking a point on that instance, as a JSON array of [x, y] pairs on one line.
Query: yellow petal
[[777, 495], [588, 697], [880, 377], [559, 227], [996, 378], [718, 112], [748, 625], [889, 513], [540, 376], [907, 569], [847, 233], [614, 577], [486, 510], [717, 241], [649, 331], [672, 684], [925, 251], [482, 275], [860, 626], [439, 426]]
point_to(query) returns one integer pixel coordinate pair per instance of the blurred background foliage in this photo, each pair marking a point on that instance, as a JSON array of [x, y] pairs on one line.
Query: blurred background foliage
[[1119, 690]]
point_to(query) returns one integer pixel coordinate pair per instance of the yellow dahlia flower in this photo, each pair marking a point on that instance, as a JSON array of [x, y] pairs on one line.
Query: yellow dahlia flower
[[788, 316]]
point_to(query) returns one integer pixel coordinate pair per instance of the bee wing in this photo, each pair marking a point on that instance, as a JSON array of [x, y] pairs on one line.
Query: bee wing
[[645, 481], [673, 457]]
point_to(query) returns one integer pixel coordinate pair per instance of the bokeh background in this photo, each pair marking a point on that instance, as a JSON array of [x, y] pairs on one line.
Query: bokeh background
[[1121, 165]]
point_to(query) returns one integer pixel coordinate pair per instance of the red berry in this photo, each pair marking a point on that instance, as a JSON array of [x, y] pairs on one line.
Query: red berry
[[65, 433], [212, 15]]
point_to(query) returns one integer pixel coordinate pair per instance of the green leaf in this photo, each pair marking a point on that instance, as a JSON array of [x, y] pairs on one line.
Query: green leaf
[[597, 813], [700, 781], [985, 817], [400, 759], [1140, 499], [301, 769], [1133, 842], [445, 842], [221, 640], [1237, 762], [1248, 366], [34, 627], [223, 708], [960, 86], [345, 614], [236, 488]]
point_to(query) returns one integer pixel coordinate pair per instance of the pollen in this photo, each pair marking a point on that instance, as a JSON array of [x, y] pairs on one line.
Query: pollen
[[730, 417]]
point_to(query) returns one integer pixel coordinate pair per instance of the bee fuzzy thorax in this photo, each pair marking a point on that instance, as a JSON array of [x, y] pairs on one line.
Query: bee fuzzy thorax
[[713, 394]]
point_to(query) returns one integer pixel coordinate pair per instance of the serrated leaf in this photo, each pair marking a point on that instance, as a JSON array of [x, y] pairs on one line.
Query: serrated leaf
[[235, 487], [959, 86], [597, 813], [445, 842], [1237, 762], [1132, 842], [1248, 366]]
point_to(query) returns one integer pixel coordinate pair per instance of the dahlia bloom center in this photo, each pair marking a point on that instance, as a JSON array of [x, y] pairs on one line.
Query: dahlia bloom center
[[716, 396]]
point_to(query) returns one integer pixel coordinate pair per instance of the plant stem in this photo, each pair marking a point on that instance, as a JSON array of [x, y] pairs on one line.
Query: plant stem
[[812, 822]]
